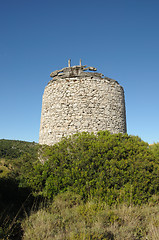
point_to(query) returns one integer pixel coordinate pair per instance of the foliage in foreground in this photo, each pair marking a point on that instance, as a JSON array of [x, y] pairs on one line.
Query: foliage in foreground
[[107, 168], [114, 168], [155, 149], [68, 217], [16, 158]]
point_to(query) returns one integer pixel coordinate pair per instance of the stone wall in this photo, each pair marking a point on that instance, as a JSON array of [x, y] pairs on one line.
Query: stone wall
[[81, 102]]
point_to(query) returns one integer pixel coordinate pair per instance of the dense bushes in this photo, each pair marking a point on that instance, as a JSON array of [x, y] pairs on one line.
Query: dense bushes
[[155, 149], [10, 149], [16, 158], [113, 168], [103, 169]]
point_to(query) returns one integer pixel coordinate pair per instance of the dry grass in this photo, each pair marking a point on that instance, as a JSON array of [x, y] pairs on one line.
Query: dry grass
[[69, 218]]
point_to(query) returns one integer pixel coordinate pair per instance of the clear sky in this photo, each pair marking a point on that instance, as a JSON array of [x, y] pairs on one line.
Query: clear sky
[[119, 37]]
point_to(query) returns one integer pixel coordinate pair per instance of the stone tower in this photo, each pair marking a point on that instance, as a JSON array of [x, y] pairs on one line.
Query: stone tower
[[79, 99]]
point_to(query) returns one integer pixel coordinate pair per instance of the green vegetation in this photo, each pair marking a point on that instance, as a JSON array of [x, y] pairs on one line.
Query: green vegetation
[[11, 149], [112, 168], [16, 157], [68, 217], [155, 149], [100, 186]]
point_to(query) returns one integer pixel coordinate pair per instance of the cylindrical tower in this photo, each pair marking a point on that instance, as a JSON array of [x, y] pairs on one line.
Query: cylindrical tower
[[78, 99]]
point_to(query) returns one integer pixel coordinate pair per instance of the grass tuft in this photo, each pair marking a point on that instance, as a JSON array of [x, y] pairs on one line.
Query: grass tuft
[[68, 217]]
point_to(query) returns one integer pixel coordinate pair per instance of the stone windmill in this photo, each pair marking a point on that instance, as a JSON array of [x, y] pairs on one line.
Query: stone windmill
[[79, 99]]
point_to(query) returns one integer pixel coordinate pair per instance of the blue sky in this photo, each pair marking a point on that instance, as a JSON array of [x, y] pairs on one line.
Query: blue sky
[[119, 37]]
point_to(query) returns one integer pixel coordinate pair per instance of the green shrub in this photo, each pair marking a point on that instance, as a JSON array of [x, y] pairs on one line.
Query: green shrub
[[16, 159], [155, 150], [112, 167]]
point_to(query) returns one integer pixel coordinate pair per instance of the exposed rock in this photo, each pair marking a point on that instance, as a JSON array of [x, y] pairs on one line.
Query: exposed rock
[[74, 71]]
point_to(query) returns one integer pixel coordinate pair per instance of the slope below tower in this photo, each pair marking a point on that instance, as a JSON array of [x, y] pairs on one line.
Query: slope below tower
[[79, 99]]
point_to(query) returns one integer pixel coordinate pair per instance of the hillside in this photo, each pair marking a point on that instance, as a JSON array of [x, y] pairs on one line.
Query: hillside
[[11, 153], [11, 149], [88, 186], [15, 158]]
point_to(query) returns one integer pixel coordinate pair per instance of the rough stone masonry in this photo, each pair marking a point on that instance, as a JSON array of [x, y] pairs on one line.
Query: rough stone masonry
[[79, 99]]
